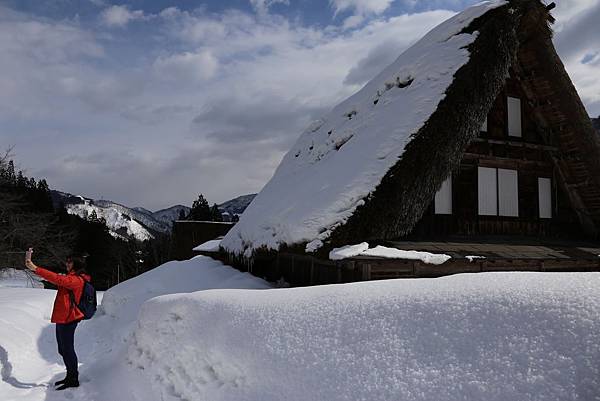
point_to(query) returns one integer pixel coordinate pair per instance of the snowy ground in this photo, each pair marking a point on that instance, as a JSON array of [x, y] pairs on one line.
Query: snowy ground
[[493, 336], [28, 358], [19, 279]]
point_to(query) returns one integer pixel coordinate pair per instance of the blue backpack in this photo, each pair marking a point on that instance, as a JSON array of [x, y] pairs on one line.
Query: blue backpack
[[87, 304]]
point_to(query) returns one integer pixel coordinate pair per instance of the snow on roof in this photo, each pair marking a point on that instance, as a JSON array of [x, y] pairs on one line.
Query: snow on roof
[[362, 249], [340, 159], [208, 246]]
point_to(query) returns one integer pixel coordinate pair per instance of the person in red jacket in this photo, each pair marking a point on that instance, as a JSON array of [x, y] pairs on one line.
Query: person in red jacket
[[65, 313]]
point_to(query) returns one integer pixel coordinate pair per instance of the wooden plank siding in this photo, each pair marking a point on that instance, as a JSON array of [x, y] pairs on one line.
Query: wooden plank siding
[[303, 270], [533, 156]]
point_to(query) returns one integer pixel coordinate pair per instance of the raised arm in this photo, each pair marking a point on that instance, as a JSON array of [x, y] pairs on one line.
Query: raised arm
[[70, 282]]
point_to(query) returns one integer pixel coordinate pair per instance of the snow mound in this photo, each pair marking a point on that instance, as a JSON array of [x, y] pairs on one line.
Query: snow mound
[[339, 160], [488, 336], [14, 278], [199, 273]]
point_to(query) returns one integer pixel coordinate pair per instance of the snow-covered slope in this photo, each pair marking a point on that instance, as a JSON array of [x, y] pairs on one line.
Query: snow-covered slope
[[339, 160], [144, 219], [142, 210], [169, 215], [119, 223], [488, 336]]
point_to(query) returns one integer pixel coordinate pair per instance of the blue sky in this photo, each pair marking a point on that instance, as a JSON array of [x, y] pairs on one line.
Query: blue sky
[[308, 12], [149, 102]]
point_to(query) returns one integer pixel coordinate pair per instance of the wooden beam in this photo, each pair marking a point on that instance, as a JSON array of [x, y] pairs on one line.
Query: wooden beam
[[504, 162], [516, 144]]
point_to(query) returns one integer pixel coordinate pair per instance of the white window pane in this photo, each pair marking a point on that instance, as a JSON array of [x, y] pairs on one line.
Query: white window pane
[[484, 126], [443, 198], [508, 193], [486, 189], [545, 197], [514, 116]]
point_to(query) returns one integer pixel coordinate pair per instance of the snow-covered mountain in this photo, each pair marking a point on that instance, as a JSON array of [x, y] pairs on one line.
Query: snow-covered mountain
[[122, 221], [120, 224], [169, 215], [136, 222], [144, 218], [237, 205]]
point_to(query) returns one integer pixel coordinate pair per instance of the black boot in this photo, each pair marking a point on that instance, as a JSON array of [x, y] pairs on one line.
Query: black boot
[[58, 383], [70, 381]]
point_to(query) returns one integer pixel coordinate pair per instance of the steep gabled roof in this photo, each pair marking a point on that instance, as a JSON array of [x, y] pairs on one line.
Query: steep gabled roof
[[369, 169]]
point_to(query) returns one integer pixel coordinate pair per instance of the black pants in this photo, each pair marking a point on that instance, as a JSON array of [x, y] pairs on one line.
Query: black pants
[[65, 336]]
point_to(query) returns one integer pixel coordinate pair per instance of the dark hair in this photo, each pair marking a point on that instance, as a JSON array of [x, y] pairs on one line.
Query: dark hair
[[79, 264]]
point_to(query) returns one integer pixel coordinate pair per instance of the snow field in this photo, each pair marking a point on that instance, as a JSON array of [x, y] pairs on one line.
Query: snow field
[[29, 362], [24, 317], [199, 330], [492, 336]]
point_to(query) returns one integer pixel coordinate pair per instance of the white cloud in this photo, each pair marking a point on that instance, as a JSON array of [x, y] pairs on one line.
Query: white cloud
[[119, 16], [209, 104], [361, 7], [187, 66], [262, 6], [576, 38]]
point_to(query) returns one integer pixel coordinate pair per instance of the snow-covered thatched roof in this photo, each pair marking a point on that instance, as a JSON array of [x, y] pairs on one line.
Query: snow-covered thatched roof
[[371, 166]]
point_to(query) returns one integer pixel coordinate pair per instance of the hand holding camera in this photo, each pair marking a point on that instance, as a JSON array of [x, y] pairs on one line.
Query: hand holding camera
[[28, 263]]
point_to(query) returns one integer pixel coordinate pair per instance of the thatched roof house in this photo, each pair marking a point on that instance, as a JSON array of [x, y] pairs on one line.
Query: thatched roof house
[[474, 130]]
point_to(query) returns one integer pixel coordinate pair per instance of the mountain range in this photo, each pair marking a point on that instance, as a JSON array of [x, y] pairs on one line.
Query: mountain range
[[136, 222]]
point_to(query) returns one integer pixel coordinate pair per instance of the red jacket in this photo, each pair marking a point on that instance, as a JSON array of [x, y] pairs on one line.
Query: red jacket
[[64, 311]]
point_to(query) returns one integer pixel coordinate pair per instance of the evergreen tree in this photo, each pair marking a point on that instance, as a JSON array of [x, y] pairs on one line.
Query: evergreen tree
[[42, 198], [93, 217], [200, 210], [182, 215], [216, 213], [21, 180], [10, 174]]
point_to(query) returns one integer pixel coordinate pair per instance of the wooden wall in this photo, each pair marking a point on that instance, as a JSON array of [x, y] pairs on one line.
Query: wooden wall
[[530, 155]]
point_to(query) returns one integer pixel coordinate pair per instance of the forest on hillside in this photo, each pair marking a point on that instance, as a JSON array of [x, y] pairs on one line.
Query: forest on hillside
[[29, 219]]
